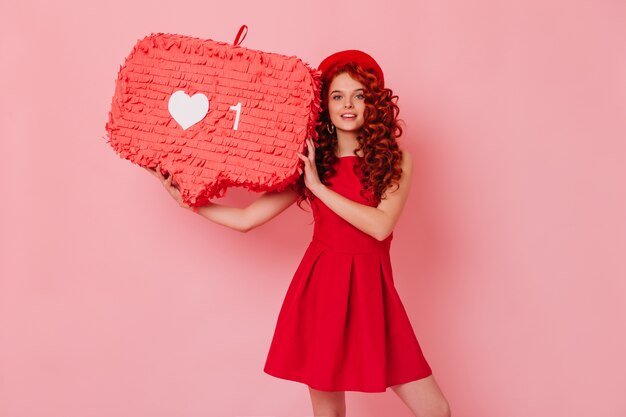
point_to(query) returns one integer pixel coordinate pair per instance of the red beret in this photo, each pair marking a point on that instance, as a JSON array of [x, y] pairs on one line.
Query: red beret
[[351, 55]]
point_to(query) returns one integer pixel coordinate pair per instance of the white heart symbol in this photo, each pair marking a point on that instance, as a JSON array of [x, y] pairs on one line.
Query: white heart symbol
[[188, 111]]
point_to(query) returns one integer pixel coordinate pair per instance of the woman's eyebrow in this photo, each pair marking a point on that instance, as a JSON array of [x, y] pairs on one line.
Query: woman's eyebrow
[[339, 91]]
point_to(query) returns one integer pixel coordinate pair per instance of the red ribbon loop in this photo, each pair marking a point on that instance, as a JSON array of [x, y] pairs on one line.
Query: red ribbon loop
[[237, 40]]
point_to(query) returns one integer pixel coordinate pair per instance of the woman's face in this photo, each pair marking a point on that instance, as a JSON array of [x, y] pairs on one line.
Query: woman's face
[[346, 103]]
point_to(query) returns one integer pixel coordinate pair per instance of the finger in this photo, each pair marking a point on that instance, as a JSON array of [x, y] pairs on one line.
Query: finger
[[179, 197], [161, 175], [307, 163]]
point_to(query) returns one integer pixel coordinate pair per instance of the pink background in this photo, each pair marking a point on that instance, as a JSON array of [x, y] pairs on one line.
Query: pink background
[[509, 257]]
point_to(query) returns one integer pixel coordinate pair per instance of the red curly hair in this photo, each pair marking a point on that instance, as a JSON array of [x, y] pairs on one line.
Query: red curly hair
[[380, 165]]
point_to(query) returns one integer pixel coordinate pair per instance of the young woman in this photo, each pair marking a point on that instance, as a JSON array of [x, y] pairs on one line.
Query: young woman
[[342, 326]]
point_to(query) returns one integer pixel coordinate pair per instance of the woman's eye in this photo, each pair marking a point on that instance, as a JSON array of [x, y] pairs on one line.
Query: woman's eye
[[360, 96], [336, 97]]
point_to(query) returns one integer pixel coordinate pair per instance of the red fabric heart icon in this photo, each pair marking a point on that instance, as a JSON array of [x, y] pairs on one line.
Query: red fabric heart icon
[[213, 115]]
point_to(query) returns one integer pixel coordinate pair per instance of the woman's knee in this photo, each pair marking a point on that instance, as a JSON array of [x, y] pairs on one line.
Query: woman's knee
[[328, 403], [444, 409], [438, 407], [423, 397]]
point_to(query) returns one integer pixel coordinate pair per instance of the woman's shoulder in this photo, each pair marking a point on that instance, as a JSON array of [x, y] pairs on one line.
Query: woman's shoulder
[[407, 160]]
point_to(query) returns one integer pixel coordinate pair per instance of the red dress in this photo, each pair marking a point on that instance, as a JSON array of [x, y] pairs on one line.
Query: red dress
[[342, 325]]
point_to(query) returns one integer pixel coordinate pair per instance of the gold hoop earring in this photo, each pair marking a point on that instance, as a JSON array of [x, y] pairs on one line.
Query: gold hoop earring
[[329, 129]]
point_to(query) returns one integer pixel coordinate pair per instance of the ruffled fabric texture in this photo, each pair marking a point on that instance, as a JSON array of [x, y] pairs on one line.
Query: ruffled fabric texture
[[280, 103]]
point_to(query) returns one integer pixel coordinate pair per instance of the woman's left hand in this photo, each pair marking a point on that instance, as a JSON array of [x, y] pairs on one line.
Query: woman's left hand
[[311, 177]]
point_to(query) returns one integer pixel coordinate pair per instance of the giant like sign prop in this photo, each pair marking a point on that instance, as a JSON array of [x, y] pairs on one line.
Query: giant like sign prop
[[213, 115]]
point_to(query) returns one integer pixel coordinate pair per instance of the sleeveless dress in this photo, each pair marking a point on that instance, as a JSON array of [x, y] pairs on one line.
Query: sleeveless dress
[[342, 325]]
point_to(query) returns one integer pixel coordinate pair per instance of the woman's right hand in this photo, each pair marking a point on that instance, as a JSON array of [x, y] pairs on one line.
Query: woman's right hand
[[167, 183]]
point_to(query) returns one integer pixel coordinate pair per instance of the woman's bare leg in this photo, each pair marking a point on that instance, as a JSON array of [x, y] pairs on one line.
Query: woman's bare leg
[[423, 397], [328, 403]]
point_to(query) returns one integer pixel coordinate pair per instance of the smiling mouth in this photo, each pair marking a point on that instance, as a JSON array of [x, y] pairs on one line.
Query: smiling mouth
[[348, 116]]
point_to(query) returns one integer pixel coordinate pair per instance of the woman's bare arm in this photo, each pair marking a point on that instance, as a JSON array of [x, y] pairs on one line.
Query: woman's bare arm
[[379, 221], [262, 210]]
